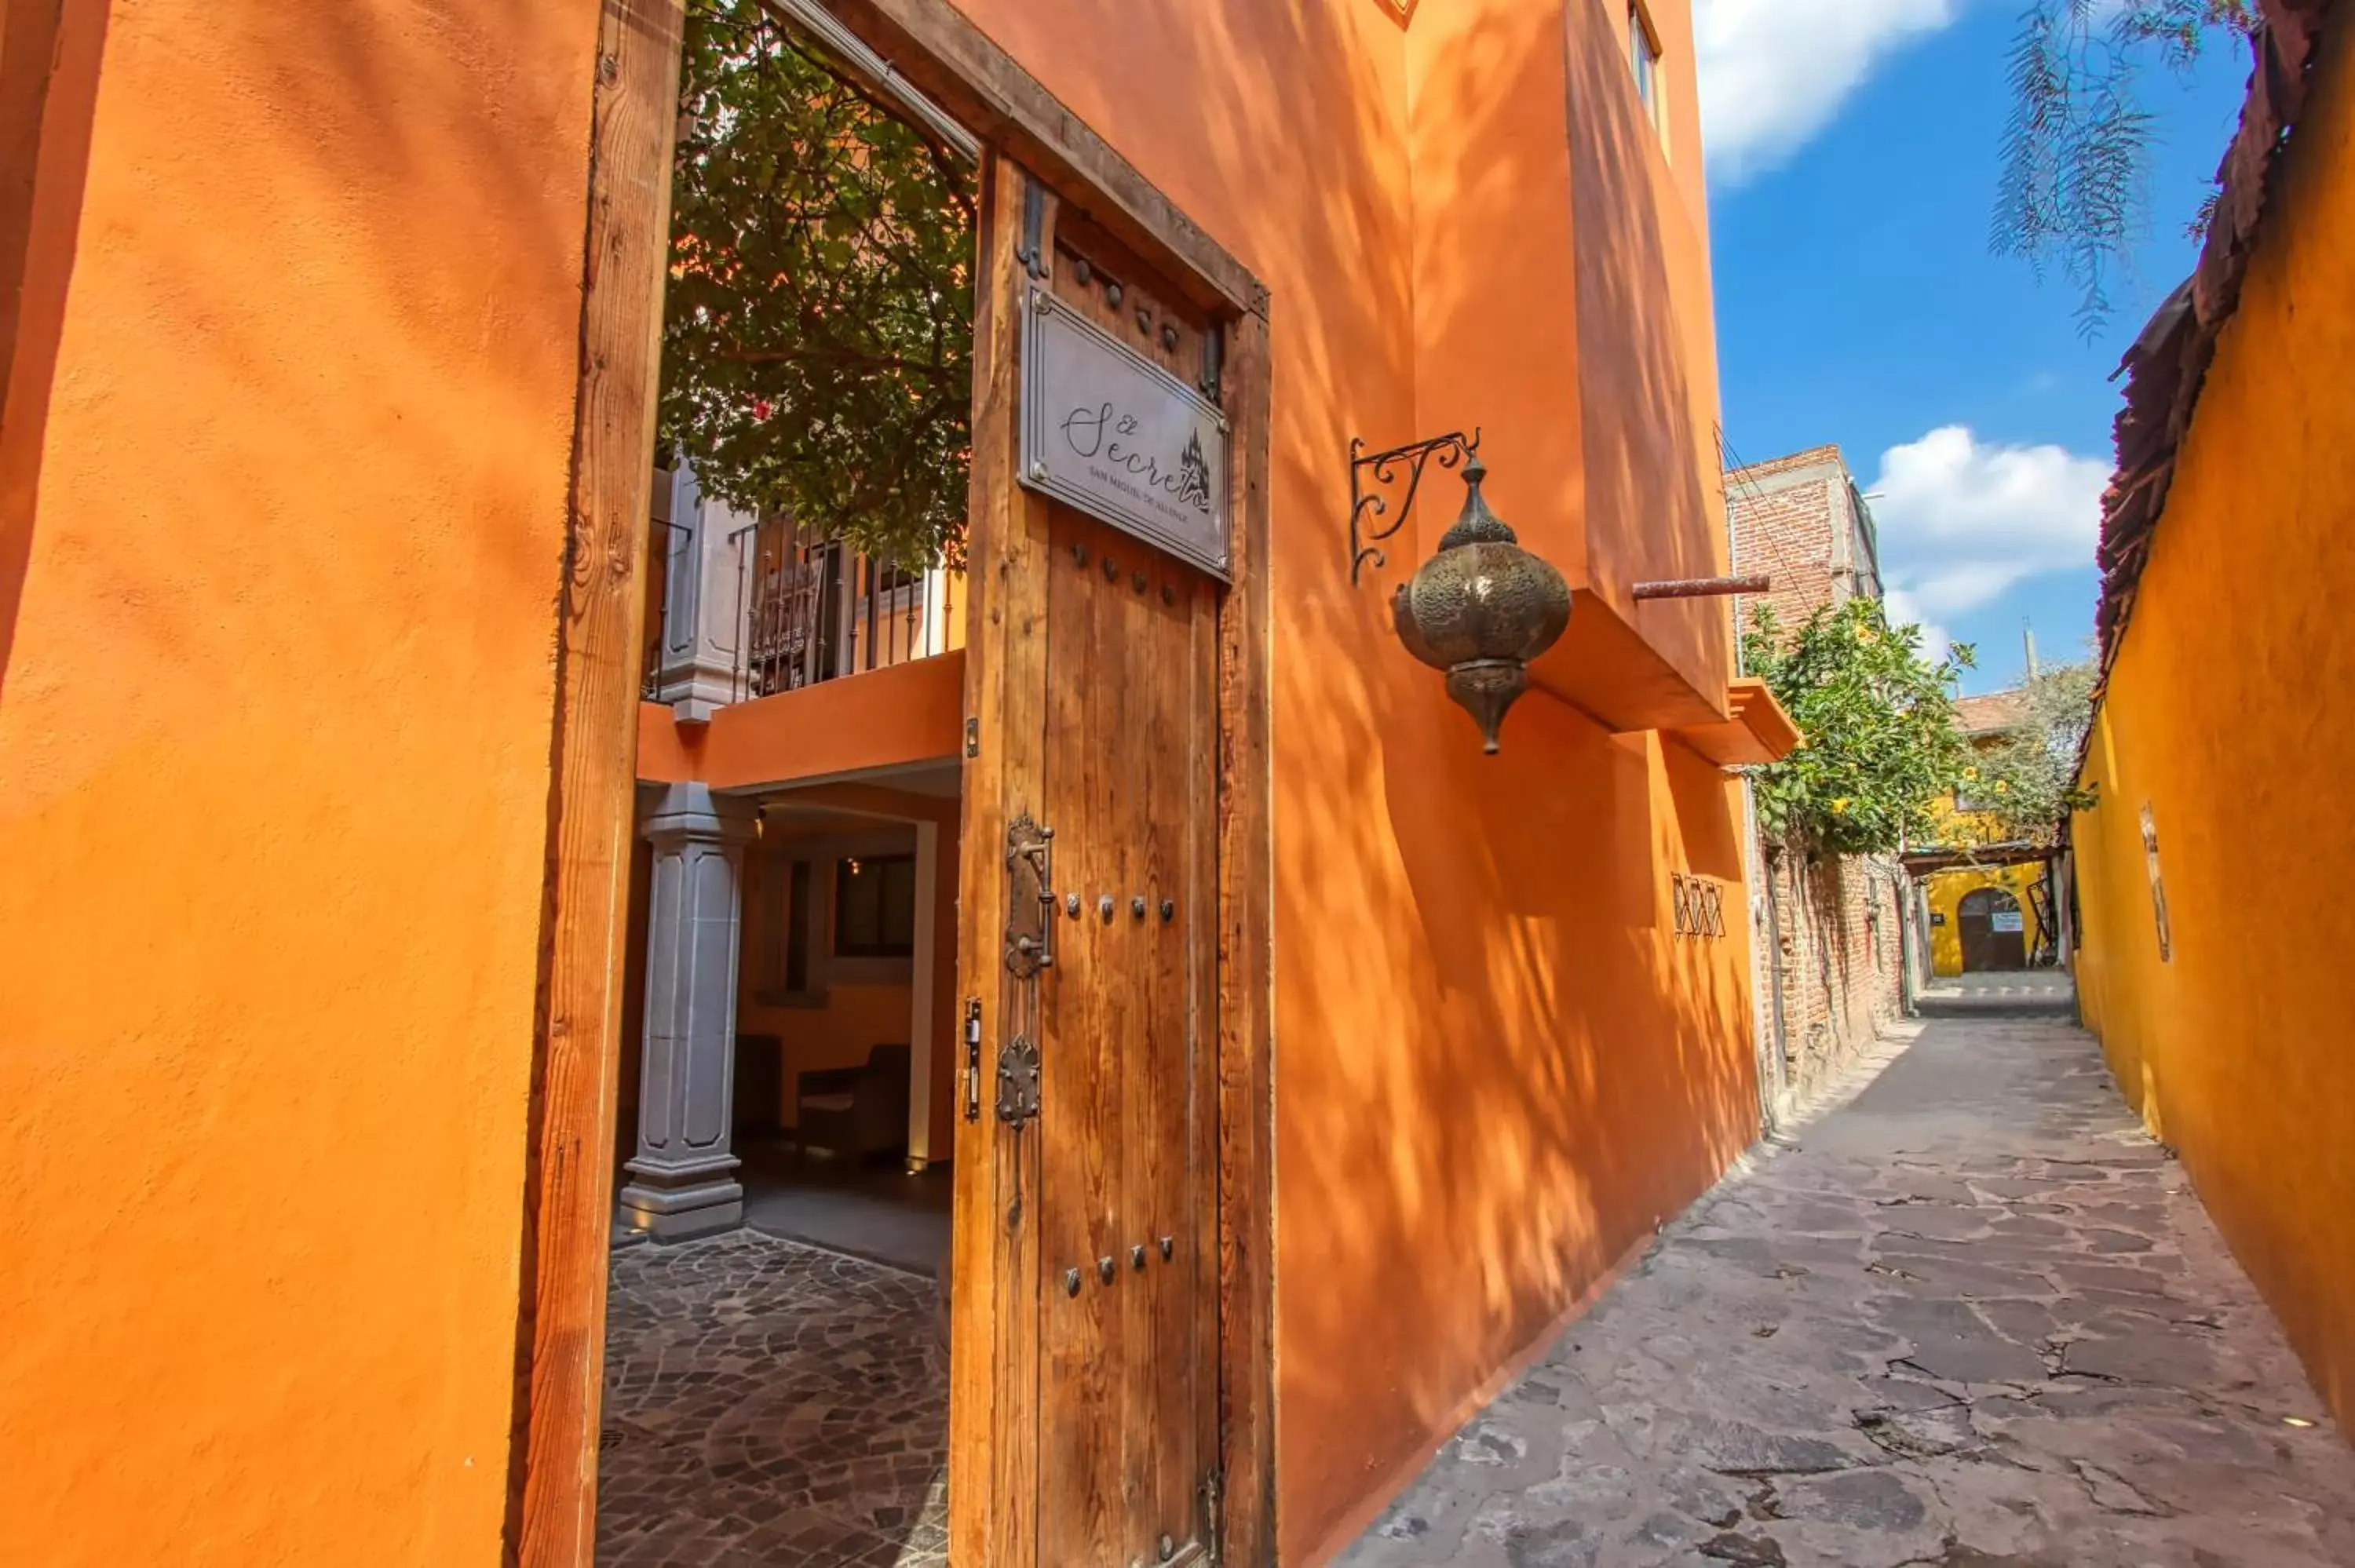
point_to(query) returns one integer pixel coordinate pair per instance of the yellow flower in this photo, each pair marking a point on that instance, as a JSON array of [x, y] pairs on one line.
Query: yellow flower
[[1970, 773], [1839, 807], [2002, 787]]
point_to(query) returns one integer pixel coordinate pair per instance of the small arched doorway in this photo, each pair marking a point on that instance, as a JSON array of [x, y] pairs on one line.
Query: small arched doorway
[[1993, 929]]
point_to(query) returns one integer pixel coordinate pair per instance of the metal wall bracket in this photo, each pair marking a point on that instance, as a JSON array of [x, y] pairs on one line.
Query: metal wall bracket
[[1366, 503], [1213, 356]]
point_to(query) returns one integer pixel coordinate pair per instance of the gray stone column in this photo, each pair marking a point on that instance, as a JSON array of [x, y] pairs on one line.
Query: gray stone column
[[683, 1181], [703, 608]]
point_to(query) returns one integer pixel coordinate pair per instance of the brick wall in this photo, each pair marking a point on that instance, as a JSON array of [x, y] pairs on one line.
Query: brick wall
[[1832, 969], [1836, 964], [1799, 519]]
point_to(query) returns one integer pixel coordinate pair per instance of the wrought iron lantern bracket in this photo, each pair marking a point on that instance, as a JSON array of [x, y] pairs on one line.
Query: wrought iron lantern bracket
[[1368, 505]]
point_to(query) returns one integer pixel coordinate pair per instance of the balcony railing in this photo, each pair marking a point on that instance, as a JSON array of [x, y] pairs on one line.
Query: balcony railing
[[816, 610]]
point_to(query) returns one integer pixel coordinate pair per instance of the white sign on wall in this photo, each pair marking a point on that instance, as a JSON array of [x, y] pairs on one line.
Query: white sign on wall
[[1108, 431], [2007, 922]]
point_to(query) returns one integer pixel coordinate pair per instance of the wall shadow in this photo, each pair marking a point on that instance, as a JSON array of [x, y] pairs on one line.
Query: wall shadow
[[1497, 1068], [49, 59]]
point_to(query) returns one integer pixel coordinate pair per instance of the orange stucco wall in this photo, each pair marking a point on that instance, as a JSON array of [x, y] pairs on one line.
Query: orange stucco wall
[[2219, 718], [1496, 1066], [277, 698], [856, 1015], [1583, 347], [855, 1019], [285, 449]]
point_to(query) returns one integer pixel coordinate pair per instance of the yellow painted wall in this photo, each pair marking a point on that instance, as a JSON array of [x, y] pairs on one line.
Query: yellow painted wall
[[2226, 715], [1945, 890], [1951, 825]]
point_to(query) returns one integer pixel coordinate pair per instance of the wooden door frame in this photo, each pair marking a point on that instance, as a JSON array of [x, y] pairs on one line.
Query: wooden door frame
[[567, 1197]]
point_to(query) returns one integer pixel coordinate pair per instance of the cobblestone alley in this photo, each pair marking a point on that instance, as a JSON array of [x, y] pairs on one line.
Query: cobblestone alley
[[1972, 1317]]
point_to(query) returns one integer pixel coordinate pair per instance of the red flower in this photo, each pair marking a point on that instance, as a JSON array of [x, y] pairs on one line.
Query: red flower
[[761, 410]]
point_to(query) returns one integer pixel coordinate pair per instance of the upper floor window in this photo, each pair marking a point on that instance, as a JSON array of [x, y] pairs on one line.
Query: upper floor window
[[1644, 59]]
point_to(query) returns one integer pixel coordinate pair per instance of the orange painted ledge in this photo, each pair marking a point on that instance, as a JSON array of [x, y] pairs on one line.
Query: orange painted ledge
[[1758, 731], [860, 724], [1606, 669]]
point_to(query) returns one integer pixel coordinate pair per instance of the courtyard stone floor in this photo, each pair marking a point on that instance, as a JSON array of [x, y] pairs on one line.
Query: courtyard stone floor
[[769, 1403], [1968, 1317]]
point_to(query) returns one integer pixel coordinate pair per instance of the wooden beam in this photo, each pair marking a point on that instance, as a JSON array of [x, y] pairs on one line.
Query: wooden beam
[[955, 65], [994, 1299], [1247, 977], [1703, 587], [568, 1188]]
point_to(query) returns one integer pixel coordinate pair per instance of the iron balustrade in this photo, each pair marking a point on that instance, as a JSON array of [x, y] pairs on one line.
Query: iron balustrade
[[814, 609]]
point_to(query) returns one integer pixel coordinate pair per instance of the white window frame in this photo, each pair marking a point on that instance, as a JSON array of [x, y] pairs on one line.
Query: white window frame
[[1645, 67]]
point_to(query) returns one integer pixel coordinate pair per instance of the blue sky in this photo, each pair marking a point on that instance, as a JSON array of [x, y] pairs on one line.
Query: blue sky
[[1854, 147]]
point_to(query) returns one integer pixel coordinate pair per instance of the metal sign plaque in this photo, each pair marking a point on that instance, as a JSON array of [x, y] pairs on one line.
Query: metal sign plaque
[[1108, 431]]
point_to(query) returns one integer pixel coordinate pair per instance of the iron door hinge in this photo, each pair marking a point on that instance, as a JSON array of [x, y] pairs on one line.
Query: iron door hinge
[[1032, 251]]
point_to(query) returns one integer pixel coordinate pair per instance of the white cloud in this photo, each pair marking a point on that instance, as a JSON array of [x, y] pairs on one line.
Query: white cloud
[[1775, 72], [1903, 610], [1963, 521]]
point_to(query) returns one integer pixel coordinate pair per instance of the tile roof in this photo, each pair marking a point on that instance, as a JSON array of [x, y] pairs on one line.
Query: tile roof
[[1994, 712], [2165, 368]]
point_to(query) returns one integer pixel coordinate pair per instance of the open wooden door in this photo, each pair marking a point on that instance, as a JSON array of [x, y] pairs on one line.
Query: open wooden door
[[1084, 1409]]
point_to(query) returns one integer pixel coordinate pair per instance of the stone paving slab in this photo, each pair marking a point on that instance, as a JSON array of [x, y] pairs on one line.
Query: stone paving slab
[[1972, 1318], [772, 1403]]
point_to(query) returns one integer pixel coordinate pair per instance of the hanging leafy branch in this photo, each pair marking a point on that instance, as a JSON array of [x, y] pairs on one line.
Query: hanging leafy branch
[[1882, 744], [2020, 789], [2076, 149], [817, 332]]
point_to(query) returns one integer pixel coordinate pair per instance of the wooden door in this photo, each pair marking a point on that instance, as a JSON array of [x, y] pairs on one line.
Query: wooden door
[[1127, 1127], [1993, 931], [1085, 1398]]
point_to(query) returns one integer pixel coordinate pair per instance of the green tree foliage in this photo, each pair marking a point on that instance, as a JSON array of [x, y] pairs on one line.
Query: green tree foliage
[[817, 334], [2076, 149], [1881, 746], [2026, 782]]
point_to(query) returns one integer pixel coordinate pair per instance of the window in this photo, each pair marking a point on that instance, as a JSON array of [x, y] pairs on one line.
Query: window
[[875, 907], [1644, 59], [784, 976]]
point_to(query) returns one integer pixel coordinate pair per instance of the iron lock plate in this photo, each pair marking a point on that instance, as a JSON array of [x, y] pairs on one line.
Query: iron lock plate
[[1018, 1081]]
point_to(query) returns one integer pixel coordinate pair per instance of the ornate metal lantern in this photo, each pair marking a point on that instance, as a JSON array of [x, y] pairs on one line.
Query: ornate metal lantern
[[1481, 608]]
